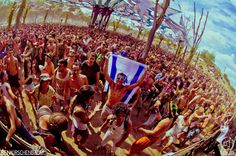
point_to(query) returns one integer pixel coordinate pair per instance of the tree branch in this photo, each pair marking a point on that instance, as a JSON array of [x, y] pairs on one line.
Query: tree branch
[[155, 9], [194, 21], [199, 24], [200, 37]]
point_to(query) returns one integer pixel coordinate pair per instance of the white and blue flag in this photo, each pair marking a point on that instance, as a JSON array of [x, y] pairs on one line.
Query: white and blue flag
[[132, 69]]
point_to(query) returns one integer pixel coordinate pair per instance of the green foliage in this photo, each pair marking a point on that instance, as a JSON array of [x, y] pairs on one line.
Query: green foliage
[[228, 82], [116, 24], [208, 57]]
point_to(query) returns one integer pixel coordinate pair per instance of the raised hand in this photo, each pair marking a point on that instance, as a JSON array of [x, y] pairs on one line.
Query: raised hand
[[97, 107]]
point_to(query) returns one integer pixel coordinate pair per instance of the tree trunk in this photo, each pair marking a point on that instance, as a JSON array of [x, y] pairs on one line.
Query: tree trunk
[[185, 50], [20, 12], [139, 33], [66, 18], [95, 14], [25, 14], [107, 22], [45, 17], [198, 56], [159, 44], [13, 9], [191, 55], [178, 49], [156, 24]]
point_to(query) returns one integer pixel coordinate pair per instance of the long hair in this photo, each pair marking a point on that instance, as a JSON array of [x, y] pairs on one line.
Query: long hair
[[26, 71], [122, 108], [40, 87], [82, 97], [58, 122]]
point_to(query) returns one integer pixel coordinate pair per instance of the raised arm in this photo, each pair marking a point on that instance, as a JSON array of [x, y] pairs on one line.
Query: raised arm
[[105, 70], [138, 83]]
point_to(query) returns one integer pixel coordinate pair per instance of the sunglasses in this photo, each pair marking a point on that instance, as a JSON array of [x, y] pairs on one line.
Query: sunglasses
[[120, 79]]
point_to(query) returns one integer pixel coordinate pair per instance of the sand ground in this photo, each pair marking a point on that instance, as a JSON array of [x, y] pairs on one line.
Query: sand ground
[[29, 119]]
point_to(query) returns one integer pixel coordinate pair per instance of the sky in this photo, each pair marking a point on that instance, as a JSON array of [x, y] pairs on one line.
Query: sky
[[220, 33]]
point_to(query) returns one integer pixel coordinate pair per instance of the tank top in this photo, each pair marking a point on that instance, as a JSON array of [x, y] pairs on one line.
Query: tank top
[[77, 121], [116, 130], [5, 93], [60, 85]]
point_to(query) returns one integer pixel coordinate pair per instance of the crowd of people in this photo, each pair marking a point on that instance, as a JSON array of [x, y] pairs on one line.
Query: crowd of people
[[62, 68]]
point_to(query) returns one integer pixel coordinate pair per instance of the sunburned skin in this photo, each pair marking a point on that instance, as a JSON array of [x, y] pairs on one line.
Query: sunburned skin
[[183, 102], [51, 48], [75, 82], [11, 64], [115, 95], [117, 89]]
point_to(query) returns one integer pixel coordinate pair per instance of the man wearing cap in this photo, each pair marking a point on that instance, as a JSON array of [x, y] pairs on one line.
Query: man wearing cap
[[44, 91]]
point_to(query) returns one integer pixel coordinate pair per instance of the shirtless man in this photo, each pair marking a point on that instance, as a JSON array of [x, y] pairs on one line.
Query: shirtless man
[[117, 90], [74, 83], [16, 47], [183, 100], [16, 125], [12, 68]]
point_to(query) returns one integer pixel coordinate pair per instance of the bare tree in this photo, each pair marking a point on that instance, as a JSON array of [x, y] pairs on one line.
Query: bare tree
[[26, 13], [158, 19], [11, 14], [46, 15], [179, 48], [66, 17], [161, 38], [20, 12], [140, 29], [197, 34]]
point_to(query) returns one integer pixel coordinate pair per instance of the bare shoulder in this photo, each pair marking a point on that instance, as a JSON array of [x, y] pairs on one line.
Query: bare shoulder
[[82, 76], [78, 109], [15, 60], [110, 117]]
